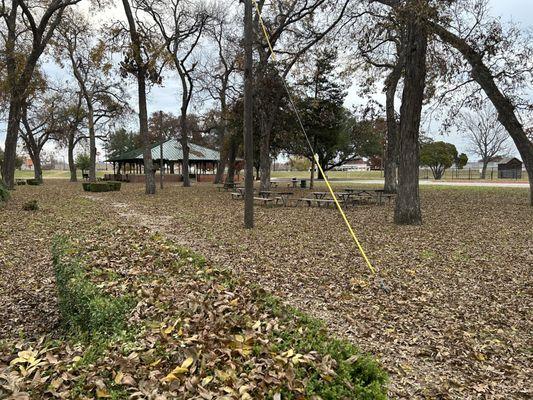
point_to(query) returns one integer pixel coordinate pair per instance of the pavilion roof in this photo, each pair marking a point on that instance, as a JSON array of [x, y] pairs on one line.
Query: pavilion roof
[[172, 151]]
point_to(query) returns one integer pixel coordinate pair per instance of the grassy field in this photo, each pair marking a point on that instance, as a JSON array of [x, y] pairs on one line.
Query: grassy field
[[53, 174], [348, 175]]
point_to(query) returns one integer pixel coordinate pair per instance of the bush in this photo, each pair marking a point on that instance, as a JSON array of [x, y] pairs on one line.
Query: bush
[[31, 205], [100, 187], [4, 193], [83, 307], [115, 186], [356, 377], [33, 182]]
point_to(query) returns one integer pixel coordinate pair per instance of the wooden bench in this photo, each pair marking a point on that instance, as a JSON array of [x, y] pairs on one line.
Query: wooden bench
[[264, 200], [388, 196], [306, 200], [327, 202], [236, 195]]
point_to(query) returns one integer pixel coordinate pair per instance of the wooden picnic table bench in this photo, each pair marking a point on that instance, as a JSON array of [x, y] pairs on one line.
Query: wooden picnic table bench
[[307, 200], [283, 197], [264, 200], [320, 195], [327, 202], [319, 202], [265, 193]]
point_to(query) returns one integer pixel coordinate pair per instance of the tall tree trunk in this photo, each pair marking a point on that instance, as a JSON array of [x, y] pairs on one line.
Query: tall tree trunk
[[185, 148], [484, 170], [312, 180], [37, 168], [506, 110], [391, 151], [92, 142], [221, 166], [232, 157], [408, 202], [248, 117], [10, 146], [71, 161], [265, 160], [313, 164], [149, 171]]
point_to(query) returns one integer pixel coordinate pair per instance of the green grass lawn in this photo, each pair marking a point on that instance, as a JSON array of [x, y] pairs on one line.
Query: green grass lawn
[[53, 174], [330, 174], [449, 175]]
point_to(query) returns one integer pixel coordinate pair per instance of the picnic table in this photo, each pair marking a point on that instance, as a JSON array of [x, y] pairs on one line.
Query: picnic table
[[320, 195], [284, 197], [265, 193], [377, 194], [240, 192]]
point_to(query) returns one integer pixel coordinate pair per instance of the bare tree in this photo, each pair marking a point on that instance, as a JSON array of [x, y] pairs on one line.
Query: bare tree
[[486, 136], [29, 27], [140, 61], [71, 116], [499, 61], [181, 24], [90, 61], [219, 78], [39, 123], [411, 15], [380, 45]]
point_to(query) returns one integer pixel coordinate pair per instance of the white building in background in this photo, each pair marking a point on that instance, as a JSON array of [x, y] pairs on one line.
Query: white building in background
[[356, 165]]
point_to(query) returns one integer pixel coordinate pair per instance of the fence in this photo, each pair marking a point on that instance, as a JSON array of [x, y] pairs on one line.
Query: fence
[[474, 174]]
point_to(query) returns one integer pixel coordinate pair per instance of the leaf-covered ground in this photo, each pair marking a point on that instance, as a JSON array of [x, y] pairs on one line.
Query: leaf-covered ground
[[193, 330], [448, 315]]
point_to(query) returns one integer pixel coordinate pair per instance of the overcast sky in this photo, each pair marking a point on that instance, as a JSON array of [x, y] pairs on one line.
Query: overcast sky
[[166, 98]]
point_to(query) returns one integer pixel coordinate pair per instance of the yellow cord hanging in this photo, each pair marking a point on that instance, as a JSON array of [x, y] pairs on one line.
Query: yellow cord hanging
[[339, 207]]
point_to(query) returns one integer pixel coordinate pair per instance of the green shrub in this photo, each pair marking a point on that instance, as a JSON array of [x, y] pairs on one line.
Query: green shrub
[[115, 186], [31, 205], [86, 186], [356, 377], [34, 182], [100, 187], [4, 193], [84, 308]]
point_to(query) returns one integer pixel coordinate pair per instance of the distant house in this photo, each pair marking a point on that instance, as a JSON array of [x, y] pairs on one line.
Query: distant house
[[358, 164], [27, 164], [510, 168]]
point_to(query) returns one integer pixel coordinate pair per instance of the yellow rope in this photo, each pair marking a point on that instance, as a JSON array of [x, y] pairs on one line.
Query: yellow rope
[[339, 207]]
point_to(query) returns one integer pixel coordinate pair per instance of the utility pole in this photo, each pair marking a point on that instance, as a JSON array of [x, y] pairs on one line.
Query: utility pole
[[248, 134], [161, 172]]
